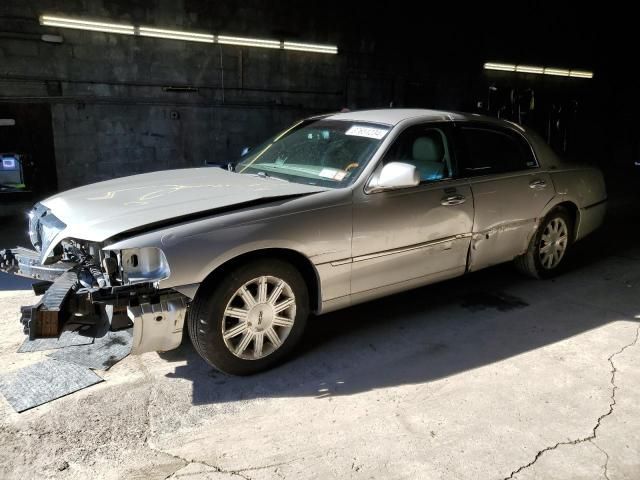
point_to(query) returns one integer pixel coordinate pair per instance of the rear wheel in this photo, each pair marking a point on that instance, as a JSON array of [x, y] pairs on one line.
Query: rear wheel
[[549, 246], [252, 318]]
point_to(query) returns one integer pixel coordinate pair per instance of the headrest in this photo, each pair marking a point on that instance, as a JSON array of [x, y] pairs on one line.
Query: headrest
[[428, 149]]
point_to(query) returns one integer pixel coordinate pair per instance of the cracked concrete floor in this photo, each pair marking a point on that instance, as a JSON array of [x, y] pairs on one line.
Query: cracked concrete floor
[[426, 384]]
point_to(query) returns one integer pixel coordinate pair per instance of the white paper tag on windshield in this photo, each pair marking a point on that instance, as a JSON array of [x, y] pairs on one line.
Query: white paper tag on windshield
[[328, 172], [369, 132], [333, 174]]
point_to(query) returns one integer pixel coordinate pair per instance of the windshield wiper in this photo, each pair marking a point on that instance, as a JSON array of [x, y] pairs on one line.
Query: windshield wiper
[[266, 175]]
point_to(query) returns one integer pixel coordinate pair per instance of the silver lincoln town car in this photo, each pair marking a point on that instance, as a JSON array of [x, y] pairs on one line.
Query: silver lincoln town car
[[336, 210]]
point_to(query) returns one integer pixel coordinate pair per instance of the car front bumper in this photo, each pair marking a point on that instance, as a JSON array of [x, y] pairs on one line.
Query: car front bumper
[[26, 263], [158, 315]]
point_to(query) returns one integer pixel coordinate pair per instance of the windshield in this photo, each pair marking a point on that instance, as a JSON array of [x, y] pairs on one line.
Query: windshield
[[329, 153]]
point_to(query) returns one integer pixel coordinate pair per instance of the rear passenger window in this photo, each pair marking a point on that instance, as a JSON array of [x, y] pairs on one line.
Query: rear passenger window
[[490, 151]]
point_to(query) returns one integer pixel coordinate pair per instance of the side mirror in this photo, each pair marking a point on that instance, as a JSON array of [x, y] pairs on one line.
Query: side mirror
[[245, 150], [395, 175]]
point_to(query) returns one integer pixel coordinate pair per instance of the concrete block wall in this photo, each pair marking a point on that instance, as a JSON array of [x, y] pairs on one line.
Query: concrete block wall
[[99, 142], [113, 115]]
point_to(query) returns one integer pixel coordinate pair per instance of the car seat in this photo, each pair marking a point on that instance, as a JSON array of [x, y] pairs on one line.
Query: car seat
[[428, 156]]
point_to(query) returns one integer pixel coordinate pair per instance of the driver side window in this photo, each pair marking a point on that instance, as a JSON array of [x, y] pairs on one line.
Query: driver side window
[[426, 148]]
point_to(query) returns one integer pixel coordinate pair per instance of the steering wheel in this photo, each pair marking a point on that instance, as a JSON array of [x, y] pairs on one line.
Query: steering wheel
[[351, 166]]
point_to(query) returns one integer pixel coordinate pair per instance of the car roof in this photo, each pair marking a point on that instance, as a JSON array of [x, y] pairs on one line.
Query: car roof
[[393, 116]]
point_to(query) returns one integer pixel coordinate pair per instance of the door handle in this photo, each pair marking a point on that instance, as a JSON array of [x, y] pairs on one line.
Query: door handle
[[453, 200], [538, 184]]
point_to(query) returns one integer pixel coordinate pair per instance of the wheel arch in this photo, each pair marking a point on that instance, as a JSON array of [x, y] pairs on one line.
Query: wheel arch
[[526, 262], [574, 213], [301, 262]]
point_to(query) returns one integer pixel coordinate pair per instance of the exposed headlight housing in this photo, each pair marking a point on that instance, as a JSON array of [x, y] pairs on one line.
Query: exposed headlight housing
[[143, 265], [50, 227], [34, 224], [43, 227]]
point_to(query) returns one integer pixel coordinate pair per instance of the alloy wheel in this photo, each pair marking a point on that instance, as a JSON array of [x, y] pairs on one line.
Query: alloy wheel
[[259, 317], [553, 243]]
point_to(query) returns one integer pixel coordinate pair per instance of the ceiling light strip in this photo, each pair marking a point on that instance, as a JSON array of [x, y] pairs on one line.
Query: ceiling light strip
[[505, 67], [529, 69], [176, 35], [64, 22], [556, 72], [310, 47], [580, 74], [143, 31], [248, 42]]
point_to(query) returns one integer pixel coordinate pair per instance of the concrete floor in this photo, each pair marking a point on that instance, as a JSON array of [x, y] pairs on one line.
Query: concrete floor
[[443, 382]]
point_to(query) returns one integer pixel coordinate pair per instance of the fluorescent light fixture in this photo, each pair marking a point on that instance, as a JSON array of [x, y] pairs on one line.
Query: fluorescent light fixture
[[556, 72], [310, 47], [580, 74], [175, 35], [7, 122], [143, 31], [529, 69], [504, 67], [65, 22], [248, 42]]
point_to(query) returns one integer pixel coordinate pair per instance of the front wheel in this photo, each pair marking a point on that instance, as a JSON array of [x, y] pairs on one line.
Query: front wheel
[[549, 246], [250, 319]]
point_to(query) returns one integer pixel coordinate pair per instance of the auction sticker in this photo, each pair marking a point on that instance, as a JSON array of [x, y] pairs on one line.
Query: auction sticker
[[333, 173], [369, 132]]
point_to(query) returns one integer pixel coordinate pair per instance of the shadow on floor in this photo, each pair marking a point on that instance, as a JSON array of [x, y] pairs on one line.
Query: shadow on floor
[[10, 282], [447, 328], [425, 334]]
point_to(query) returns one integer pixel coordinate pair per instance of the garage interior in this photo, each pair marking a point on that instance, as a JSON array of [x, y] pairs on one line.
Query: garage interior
[[489, 376]]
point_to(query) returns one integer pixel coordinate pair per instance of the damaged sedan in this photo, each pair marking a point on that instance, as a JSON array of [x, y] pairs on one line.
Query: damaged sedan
[[336, 210]]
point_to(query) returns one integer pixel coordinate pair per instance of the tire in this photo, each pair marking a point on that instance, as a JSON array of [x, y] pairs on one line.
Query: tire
[[535, 262], [239, 339]]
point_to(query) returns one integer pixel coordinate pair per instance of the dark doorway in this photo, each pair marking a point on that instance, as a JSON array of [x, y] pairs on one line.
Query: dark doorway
[[28, 167]]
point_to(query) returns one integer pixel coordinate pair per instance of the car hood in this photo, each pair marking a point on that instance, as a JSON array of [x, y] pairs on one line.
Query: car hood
[[99, 211]]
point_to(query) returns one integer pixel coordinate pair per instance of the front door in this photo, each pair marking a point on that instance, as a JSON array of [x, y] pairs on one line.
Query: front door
[[412, 236]]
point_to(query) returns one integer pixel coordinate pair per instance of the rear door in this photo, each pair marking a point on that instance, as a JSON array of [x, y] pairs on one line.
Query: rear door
[[510, 190]]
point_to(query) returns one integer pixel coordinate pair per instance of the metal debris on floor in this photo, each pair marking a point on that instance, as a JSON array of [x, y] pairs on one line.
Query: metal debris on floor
[[43, 382]]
